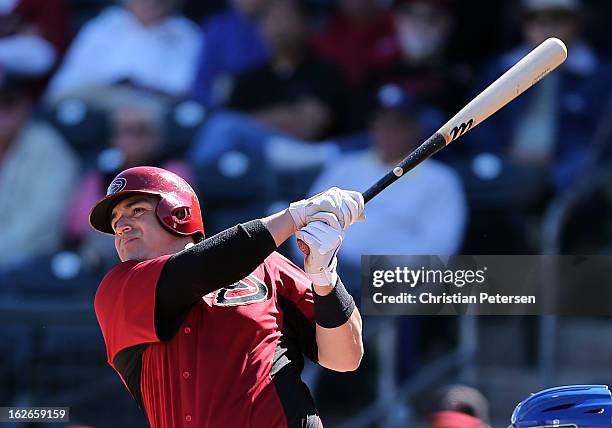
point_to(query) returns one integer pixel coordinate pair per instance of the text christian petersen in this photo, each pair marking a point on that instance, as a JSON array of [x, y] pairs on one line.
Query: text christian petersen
[[433, 280]]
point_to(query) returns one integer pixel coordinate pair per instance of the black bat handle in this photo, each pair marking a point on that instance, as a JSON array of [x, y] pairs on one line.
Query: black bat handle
[[432, 145]]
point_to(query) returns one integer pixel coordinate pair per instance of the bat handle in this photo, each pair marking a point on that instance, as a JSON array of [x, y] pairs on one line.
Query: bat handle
[[379, 186], [432, 145]]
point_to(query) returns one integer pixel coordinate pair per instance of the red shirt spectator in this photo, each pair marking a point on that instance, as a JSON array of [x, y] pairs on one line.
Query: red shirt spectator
[[45, 18], [359, 38], [33, 35]]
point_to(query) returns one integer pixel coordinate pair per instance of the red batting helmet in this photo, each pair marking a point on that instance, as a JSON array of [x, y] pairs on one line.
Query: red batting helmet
[[178, 209]]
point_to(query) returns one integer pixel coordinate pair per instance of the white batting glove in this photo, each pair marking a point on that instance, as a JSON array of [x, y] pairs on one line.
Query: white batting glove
[[320, 242], [346, 205]]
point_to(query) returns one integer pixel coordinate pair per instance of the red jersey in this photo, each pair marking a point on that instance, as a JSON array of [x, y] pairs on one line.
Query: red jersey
[[235, 360]]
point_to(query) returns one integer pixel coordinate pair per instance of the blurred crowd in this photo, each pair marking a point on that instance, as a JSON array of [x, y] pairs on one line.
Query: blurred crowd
[[261, 101], [265, 101]]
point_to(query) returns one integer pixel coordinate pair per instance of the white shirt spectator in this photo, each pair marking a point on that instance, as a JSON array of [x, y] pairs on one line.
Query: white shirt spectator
[[115, 46], [422, 213], [37, 177], [26, 55]]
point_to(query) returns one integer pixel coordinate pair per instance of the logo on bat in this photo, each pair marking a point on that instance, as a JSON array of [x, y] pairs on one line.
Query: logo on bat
[[458, 131]]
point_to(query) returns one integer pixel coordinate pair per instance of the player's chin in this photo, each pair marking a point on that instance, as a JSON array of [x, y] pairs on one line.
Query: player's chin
[[140, 252], [133, 258], [127, 254], [130, 249]]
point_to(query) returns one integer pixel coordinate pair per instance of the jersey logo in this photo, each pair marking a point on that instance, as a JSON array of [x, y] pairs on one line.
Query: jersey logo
[[246, 291]]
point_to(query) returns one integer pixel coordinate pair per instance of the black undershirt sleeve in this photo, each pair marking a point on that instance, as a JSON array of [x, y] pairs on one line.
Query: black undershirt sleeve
[[216, 262]]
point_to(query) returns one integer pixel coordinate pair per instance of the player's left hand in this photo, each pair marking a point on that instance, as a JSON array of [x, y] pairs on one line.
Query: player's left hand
[[320, 242], [346, 205]]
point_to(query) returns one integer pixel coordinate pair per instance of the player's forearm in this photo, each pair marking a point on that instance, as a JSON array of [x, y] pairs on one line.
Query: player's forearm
[[280, 225], [341, 348], [338, 328]]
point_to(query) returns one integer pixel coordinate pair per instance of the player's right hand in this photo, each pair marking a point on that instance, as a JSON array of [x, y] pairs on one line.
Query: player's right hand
[[346, 205], [320, 242]]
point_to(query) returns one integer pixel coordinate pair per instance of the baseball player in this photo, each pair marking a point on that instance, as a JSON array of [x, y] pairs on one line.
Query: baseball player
[[576, 406], [212, 332]]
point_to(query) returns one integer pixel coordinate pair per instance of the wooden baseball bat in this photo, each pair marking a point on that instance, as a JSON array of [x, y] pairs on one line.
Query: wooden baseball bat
[[527, 72]]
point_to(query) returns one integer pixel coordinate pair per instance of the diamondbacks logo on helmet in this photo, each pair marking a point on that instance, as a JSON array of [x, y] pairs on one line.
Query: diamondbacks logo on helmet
[[116, 186]]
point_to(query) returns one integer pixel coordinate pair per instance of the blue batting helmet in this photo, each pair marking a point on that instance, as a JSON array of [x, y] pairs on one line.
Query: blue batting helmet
[[575, 406]]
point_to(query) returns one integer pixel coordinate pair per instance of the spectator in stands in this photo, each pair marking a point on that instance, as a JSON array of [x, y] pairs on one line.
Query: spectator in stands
[[427, 208], [231, 44], [459, 406], [140, 42], [549, 128], [358, 38], [296, 91], [422, 31], [32, 36], [38, 173], [136, 138], [295, 96]]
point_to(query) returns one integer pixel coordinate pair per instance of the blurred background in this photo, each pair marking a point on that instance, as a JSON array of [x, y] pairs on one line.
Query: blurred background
[[262, 102]]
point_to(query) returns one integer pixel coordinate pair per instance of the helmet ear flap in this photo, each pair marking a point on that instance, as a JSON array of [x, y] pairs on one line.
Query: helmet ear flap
[[176, 216]]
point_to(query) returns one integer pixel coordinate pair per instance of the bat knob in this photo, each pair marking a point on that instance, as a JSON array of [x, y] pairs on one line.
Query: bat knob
[[303, 247]]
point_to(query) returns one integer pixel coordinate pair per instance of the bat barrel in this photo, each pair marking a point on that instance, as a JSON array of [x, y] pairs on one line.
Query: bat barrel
[[524, 74], [520, 77]]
